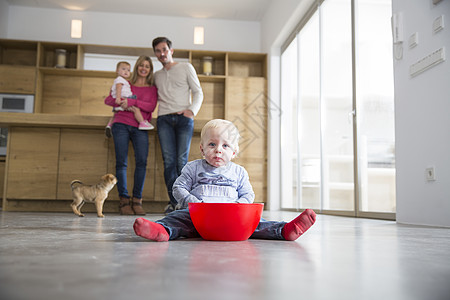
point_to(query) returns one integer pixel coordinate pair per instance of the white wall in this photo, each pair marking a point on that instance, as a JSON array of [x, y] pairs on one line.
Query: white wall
[[422, 105], [130, 29], [280, 20], [4, 8]]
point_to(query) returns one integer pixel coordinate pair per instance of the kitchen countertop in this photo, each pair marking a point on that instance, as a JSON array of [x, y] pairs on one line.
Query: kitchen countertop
[[52, 120], [64, 120]]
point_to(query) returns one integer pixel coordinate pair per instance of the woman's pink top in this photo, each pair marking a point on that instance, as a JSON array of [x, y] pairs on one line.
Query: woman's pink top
[[146, 98]]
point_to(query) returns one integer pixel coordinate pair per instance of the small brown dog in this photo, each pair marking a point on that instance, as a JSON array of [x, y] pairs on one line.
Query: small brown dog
[[91, 193]]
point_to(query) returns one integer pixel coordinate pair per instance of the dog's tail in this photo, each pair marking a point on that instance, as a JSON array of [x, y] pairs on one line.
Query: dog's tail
[[73, 182]]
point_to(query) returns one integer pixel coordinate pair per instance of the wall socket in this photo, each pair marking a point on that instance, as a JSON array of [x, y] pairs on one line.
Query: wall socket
[[430, 173]]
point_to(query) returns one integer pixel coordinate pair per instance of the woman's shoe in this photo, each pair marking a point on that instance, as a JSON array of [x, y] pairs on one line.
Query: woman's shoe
[[136, 205], [124, 206]]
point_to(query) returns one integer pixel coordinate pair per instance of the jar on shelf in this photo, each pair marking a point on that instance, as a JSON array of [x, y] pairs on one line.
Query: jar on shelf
[[60, 55], [207, 63]]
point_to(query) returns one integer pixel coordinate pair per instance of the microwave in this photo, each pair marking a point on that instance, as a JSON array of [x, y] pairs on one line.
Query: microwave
[[16, 103], [13, 103]]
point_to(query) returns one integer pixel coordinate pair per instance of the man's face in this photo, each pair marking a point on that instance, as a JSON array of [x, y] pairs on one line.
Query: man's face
[[163, 53]]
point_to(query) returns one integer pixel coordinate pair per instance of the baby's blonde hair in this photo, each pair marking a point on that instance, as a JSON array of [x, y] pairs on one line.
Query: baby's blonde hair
[[122, 63], [228, 127]]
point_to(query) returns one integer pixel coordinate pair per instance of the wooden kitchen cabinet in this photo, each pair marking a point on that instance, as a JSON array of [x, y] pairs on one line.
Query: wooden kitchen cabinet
[[2, 178], [18, 61], [17, 79], [213, 106], [32, 163], [249, 95], [83, 155], [18, 53], [73, 92]]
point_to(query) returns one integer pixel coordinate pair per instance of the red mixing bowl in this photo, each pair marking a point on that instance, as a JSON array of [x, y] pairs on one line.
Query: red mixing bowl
[[225, 221]]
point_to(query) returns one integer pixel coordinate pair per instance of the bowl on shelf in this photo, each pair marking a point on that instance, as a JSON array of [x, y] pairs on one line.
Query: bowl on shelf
[[225, 221]]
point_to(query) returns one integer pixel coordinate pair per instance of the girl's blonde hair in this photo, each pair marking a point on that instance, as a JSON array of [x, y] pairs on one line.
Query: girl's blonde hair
[[140, 60], [122, 63], [228, 127]]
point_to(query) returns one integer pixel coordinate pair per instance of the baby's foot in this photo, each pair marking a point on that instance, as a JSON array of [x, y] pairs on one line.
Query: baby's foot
[[295, 228], [150, 230], [145, 125], [108, 131]]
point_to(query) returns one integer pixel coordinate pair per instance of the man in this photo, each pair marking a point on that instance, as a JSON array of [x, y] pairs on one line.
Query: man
[[175, 82]]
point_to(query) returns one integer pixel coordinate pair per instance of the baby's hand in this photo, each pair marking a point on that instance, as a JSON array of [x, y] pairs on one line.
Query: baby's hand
[[124, 104]]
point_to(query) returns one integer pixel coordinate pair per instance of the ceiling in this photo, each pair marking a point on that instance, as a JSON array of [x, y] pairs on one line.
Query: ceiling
[[242, 10]]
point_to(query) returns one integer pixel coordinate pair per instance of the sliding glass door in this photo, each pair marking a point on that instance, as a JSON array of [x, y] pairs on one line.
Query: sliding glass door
[[308, 116], [289, 127], [337, 97], [375, 107], [337, 105]]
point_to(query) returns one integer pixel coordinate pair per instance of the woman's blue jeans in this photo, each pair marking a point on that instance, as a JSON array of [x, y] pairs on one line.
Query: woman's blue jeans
[[122, 134], [175, 134]]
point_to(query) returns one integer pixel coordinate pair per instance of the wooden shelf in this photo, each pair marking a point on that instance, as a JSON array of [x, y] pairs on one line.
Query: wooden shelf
[[212, 78], [127, 51], [76, 72], [218, 62], [247, 64], [46, 57], [21, 53]]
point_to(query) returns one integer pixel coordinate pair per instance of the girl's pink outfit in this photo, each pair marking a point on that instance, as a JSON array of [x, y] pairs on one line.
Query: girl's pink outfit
[[146, 98]]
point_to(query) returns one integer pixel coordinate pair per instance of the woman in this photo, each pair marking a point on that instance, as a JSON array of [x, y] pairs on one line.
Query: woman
[[125, 128]]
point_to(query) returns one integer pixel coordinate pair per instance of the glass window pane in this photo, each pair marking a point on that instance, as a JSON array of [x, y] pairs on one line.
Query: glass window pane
[[317, 104], [375, 106], [289, 135], [337, 103], [309, 121]]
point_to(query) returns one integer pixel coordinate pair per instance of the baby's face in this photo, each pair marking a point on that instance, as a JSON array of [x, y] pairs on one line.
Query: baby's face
[[217, 149], [124, 70]]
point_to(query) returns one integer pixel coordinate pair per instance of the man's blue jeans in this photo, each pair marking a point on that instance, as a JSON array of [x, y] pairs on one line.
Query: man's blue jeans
[[122, 134], [175, 134]]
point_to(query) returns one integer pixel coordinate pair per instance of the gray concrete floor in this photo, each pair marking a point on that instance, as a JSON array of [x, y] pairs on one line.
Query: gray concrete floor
[[61, 256]]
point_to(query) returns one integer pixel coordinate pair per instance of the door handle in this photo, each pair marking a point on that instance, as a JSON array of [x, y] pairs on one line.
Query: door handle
[[351, 115]]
